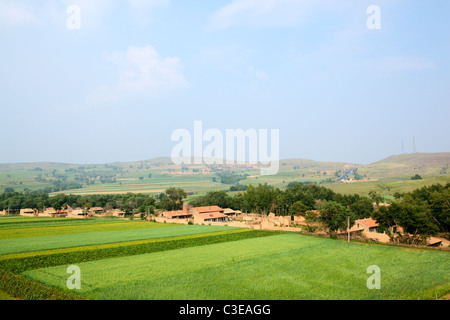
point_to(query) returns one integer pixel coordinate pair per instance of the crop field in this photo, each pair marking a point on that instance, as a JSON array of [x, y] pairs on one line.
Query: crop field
[[122, 260]]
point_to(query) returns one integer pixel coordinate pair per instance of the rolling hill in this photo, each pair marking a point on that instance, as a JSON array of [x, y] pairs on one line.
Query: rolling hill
[[407, 165]]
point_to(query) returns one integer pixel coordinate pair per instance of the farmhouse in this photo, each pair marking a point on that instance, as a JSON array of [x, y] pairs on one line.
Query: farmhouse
[[209, 209], [179, 214], [114, 213], [95, 210], [49, 212], [210, 217], [369, 230], [28, 212], [230, 213], [368, 225], [75, 213]]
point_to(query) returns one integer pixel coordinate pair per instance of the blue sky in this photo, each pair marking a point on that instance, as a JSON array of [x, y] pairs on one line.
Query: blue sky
[[116, 88]]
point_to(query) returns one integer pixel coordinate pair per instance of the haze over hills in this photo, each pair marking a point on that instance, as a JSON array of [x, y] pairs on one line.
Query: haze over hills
[[393, 166], [409, 164]]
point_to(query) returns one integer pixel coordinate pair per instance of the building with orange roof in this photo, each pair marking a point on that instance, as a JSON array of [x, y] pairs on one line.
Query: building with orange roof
[[210, 217], [368, 224]]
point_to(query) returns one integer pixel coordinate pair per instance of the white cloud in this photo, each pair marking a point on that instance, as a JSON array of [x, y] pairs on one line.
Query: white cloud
[[142, 69], [15, 14]]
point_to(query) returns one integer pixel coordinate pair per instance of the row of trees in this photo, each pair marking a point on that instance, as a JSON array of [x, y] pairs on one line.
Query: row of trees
[[424, 212]]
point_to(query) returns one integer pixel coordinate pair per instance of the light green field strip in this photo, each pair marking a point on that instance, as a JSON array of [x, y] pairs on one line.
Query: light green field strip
[[9, 246], [116, 245], [39, 231], [285, 266], [15, 219], [69, 222]]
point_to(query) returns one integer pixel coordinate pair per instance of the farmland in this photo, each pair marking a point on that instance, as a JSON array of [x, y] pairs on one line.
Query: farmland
[[146, 261], [152, 177]]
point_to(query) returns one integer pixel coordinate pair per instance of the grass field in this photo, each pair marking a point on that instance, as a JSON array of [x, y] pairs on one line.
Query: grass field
[[284, 267], [146, 261]]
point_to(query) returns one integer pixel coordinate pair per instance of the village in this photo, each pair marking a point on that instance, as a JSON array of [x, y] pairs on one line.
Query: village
[[363, 229]]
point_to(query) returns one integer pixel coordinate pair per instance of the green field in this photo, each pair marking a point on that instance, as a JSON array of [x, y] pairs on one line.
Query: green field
[[148, 261]]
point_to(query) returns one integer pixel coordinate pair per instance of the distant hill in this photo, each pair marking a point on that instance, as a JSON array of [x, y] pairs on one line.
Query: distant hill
[[404, 165], [34, 165]]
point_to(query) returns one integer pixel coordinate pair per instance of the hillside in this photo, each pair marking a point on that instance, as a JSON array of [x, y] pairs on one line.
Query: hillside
[[407, 165], [154, 175]]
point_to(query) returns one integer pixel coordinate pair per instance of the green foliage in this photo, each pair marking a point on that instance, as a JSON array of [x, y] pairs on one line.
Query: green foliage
[[239, 187], [231, 177], [217, 198], [425, 211], [335, 216], [298, 208], [416, 177], [172, 199]]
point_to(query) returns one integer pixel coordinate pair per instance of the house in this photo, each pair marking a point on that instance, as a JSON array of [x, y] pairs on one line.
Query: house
[[353, 229], [96, 210], [115, 213], [178, 214], [76, 213], [61, 213], [208, 209], [231, 213], [3, 213], [28, 212], [368, 225], [369, 231], [48, 212], [434, 242], [210, 217]]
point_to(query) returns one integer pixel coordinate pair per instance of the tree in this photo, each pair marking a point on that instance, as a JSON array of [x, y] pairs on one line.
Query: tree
[[298, 208], [362, 208], [376, 197], [416, 177], [335, 216], [415, 218], [172, 199], [213, 198]]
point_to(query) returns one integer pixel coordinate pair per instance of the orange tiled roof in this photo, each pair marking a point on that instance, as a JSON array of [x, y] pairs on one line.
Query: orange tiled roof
[[208, 209], [212, 215], [178, 213], [369, 223]]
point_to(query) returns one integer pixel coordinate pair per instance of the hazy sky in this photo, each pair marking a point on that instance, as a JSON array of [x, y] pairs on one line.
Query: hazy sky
[[114, 82]]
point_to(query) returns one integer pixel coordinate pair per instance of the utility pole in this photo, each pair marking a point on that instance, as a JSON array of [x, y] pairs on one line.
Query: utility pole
[[348, 228]]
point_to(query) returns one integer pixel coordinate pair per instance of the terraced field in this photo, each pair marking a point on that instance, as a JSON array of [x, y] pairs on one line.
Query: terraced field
[[147, 261]]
